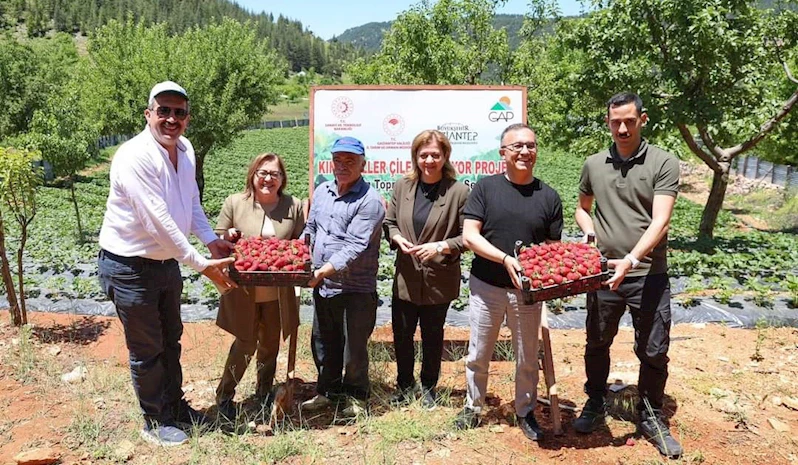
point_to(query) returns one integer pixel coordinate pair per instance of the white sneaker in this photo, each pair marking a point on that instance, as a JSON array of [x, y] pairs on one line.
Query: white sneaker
[[316, 403], [354, 408]]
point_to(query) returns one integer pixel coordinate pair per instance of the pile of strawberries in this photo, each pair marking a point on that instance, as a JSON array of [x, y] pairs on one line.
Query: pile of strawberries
[[552, 264], [272, 254]]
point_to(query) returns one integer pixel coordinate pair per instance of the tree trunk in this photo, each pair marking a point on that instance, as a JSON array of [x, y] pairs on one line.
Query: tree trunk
[[81, 238], [8, 282], [22, 241], [200, 174], [720, 180]]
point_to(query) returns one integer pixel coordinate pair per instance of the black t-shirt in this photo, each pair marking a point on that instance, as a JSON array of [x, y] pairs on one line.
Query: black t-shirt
[[531, 213], [426, 195]]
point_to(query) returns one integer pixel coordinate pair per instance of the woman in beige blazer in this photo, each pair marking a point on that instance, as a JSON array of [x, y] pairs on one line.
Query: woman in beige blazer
[[256, 315], [425, 223]]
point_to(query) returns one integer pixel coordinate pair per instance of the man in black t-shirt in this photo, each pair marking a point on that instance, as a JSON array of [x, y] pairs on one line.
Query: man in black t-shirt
[[503, 209]]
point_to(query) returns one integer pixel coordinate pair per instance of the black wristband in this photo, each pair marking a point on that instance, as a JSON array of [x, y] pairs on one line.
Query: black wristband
[[505, 258]]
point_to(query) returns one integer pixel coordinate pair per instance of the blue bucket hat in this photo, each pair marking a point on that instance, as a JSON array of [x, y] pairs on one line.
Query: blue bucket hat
[[349, 145]]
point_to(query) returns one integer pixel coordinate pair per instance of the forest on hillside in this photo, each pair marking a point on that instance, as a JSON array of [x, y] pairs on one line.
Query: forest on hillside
[[288, 37]]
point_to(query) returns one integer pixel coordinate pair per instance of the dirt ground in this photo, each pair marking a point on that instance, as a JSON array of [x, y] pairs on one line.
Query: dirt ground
[[728, 395]]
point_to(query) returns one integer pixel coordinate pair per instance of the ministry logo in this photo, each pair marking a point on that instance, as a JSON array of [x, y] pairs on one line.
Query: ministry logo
[[393, 124], [342, 107]]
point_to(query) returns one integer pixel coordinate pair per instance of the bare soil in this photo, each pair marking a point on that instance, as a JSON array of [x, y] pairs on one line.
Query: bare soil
[[726, 386]]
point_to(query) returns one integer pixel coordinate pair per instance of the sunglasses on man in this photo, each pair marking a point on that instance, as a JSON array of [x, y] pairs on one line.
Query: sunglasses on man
[[164, 112]]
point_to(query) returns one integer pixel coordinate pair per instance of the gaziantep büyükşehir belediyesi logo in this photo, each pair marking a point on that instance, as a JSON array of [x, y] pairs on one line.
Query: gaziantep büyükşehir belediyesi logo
[[501, 111], [342, 107], [393, 124]]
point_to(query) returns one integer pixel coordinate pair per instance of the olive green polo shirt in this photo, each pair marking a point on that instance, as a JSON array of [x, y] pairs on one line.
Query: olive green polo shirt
[[623, 192]]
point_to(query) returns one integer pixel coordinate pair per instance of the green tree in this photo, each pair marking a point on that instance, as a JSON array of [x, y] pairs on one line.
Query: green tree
[[18, 183], [557, 109], [66, 138], [703, 65], [230, 75], [18, 95], [29, 73], [448, 42]]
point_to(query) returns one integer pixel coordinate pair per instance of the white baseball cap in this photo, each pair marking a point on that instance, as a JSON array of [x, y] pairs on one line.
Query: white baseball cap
[[166, 86]]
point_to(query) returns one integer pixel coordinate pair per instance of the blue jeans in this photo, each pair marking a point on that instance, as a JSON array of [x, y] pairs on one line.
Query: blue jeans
[[342, 325], [146, 294]]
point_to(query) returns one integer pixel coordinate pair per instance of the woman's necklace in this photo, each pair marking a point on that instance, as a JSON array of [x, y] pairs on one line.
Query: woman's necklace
[[428, 190]]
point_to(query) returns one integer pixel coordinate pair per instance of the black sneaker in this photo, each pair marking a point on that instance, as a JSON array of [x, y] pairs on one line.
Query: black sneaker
[[466, 419], [264, 402], [403, 396], [593, 414], [185, 415], [428, 399], [227, 411], [529, 425], [656, 432]]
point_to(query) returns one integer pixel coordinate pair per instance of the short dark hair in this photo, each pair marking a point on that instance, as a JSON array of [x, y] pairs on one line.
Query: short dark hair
[[514, 127], [623, 98]]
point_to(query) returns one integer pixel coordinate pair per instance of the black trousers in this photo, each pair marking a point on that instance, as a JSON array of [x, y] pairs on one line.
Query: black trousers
[[405, 317], [649, 301], [146, 294], [342, 326]]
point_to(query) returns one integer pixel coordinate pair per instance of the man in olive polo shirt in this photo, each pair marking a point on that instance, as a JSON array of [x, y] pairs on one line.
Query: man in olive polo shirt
[[634, 187]]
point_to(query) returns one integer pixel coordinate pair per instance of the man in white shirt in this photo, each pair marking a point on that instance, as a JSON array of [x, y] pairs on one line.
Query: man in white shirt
[[153, 205]]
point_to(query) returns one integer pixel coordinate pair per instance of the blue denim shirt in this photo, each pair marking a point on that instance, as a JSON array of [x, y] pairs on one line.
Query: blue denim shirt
[[345, 231]]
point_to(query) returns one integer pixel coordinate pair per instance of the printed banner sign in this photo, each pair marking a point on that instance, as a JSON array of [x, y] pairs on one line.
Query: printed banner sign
[[387, 118]]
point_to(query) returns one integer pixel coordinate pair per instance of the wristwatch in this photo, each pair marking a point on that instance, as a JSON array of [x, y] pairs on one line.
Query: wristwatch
[[635, 262], [439, 248]]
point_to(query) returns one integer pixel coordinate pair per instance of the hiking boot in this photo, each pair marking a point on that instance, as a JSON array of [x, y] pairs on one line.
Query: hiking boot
[[428, 399], [227, 410], [317, 403], [185, 415], [593, 414], [656, 432], [466, 419], [354, 408], [529, 425], [403, 396], [163, 435]]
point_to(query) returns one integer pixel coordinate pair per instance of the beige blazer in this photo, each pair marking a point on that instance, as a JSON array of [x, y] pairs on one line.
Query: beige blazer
[[237, 313], [438, 280]]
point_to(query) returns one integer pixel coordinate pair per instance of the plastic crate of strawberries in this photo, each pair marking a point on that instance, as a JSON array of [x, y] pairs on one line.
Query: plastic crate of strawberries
[[271, 262], [560, 269]]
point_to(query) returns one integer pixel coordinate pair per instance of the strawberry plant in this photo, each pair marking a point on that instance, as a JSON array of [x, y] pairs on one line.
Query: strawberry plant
[[791, 283]]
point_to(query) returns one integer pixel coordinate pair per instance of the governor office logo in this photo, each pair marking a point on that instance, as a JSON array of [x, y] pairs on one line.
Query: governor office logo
[[342, 107], [501, 111], [393, 124]]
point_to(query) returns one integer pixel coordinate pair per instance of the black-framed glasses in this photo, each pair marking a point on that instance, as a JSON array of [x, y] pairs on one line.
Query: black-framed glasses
[[263, 174], [519, 146], [164, 112]]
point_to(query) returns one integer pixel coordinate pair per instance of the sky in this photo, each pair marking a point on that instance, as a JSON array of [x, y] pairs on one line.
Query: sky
[[328, 18]]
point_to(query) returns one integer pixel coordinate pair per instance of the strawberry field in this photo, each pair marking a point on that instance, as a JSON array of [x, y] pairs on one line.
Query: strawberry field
[[740, 267]]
